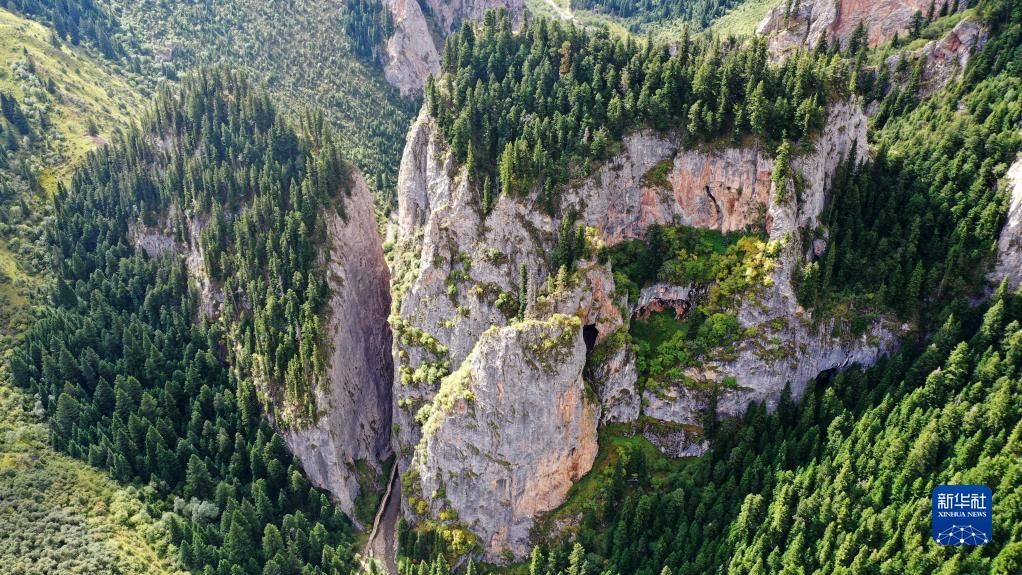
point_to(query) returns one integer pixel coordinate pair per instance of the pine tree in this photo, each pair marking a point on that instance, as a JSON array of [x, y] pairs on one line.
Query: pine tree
[[782, 170]]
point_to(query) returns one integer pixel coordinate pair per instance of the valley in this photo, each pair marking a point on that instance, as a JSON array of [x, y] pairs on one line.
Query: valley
[[441, 287]]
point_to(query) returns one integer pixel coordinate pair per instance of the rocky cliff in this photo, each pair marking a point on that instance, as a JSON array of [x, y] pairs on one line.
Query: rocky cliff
[[944, 59], [1009, 247], [420, 26], [730, 189], [808, 22], [457, 274], [520, 387], [350, 437]]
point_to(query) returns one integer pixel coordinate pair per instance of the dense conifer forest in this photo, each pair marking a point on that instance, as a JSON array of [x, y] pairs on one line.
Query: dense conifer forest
[[531, 110], [916, 227], [132, 379], [698, 12]]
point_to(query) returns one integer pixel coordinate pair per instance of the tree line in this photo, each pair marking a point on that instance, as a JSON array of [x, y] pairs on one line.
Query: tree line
[[528, 111], [699, 12]]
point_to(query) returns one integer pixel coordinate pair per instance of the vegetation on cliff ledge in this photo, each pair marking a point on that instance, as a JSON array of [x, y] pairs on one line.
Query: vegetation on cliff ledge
[[524, 111]]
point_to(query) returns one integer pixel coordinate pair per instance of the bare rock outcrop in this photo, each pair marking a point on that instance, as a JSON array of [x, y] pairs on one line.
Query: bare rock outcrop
[[510, 431], [1009, 246], [162, 239], [413, 51], [353, 406], [808, 22], [457, 274], [725, 189], [945, 59]]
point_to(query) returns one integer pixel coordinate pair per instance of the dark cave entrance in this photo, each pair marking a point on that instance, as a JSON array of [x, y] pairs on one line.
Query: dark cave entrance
[[589, 335]]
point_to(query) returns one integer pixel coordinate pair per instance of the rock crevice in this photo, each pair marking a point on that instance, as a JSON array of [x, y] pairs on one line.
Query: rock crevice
[[353, 401]]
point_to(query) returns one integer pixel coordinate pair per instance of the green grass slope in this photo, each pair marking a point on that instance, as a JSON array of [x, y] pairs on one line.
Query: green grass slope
[[299, 50], [58, 514]]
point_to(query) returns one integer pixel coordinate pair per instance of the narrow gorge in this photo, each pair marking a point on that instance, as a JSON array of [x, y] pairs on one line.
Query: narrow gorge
[[497, 401]]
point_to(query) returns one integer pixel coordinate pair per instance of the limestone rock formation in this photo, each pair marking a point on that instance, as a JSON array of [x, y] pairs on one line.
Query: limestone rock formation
[[353, 400], [1009, 247], [413, 51], [353, 427], [510, 431], [809, 22], [945, 59], [457, 274]]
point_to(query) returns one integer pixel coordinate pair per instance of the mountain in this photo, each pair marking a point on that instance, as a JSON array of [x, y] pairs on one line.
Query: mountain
[[540, 242], [694, 302], [149, 394]]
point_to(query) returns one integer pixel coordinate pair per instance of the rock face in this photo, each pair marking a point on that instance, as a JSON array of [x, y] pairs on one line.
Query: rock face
[[355, 409], [354, 406], [945, 59], [811, 21], [457, 274], [413, 51], [453, 276], [519, 388], [161, 239], [1009, 247], [663, 296], [724, 189]]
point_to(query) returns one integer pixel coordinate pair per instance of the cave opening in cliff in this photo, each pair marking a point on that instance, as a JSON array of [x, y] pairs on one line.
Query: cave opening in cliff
[[589, 334]]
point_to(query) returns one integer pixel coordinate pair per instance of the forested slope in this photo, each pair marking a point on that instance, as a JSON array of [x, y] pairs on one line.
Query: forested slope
[[301, 51], [57, 101], [146, 393], [60, 99]]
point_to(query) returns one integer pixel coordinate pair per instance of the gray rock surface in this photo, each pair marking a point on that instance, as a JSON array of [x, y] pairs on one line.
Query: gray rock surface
[[354, 400], [454, 273], [510, 431], [812, 21], [1009, 246], [413, 51], [946, 58]]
